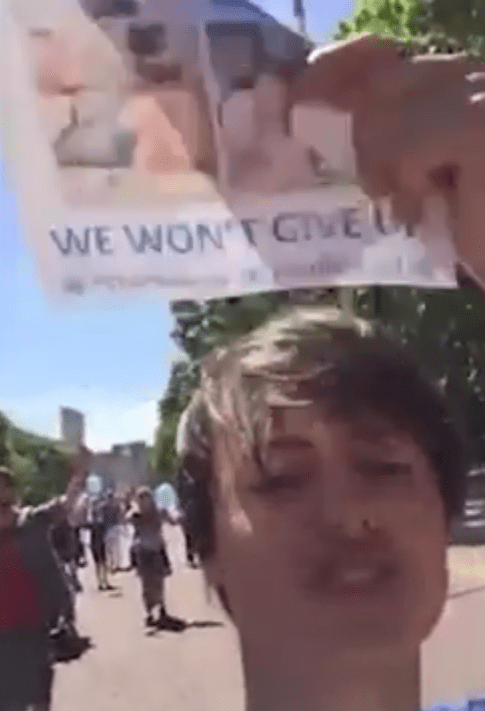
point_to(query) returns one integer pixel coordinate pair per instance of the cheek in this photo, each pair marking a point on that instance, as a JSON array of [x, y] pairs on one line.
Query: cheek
[[424, 549], [253, 553]]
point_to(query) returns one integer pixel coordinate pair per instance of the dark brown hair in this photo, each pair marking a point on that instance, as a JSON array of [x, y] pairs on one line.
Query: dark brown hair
[[317, 356]]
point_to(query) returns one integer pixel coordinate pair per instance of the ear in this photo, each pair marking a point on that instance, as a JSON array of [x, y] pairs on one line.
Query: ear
[[337, 74]]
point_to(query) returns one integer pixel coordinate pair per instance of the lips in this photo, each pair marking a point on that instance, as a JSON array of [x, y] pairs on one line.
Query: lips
[[356, 579]]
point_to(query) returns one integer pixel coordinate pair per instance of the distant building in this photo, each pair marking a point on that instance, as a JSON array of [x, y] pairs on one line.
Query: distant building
[[124, 467], [72, 427]]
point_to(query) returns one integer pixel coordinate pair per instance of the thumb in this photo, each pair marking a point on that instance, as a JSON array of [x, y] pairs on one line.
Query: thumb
[[338, 74], [469, 218]]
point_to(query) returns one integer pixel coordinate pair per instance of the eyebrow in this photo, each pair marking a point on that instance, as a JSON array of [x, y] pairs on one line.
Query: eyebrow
[[289, 442], [376, 432]]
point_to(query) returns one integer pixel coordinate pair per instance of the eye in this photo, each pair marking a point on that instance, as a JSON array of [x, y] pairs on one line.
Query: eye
[[273, 484], [379, 469], [287, 467]]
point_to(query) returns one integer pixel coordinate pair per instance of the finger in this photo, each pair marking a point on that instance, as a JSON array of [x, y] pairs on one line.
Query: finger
[[377, 179], [336, 72], [413, 185], [421, 74], [470, 216], [446, 180], [407, 208]]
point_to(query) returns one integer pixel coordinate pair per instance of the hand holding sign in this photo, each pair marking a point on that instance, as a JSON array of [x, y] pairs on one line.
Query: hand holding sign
[[419, 129]]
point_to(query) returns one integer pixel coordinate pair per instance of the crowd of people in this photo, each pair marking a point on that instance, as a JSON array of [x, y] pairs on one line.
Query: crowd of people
[[41, 552]]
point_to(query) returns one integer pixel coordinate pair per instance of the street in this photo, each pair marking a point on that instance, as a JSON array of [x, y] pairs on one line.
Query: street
[[129, 668]]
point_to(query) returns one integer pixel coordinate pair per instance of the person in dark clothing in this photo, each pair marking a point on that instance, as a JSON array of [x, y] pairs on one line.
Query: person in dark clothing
[[152, 562], [185, 487], [98, 545], [33, 592], [63, 538], [80, 554]]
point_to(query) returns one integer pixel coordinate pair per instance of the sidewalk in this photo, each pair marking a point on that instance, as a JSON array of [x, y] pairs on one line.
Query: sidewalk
[[467, 568], [130, 669]]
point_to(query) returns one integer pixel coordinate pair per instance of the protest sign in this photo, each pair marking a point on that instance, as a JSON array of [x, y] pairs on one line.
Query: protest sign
[[153, 148]]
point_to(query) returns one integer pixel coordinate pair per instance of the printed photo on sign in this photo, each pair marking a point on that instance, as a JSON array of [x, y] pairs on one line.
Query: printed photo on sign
[[122, 105], [140, 107]]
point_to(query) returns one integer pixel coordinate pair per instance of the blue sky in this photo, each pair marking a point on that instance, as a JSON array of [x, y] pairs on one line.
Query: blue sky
[[110, 362]]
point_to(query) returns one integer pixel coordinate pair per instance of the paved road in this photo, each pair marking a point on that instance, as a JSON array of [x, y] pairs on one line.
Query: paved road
[[130, 670]]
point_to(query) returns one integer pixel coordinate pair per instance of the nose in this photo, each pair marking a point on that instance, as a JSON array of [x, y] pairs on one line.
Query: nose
[[345, 505]]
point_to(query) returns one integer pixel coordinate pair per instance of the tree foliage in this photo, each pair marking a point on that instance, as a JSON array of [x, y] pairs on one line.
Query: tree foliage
[[427, 25], [182, 381], [445, 330], [4, 450], [39, 464]]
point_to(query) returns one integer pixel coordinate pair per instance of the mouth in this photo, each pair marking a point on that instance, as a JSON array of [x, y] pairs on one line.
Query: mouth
[[355, 581]]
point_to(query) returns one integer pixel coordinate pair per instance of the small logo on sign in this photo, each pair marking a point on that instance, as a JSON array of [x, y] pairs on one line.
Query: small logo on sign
[[74, 286]]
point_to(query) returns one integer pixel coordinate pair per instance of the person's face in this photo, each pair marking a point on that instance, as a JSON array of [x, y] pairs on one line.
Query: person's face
[[340, 546], [7, 505], [145, 502]]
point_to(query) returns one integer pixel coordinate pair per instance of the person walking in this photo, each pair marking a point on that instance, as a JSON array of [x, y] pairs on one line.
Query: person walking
[[97, 527], [33, 592], [151, 559], [64, 540], [112, 521]]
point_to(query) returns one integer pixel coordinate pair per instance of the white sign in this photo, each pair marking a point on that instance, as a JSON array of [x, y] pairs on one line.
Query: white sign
[[164, 158]]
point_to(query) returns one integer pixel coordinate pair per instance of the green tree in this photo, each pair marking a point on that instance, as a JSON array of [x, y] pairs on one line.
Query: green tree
[[445, 329], [427, 25], [39, 464], [4, 449], [182, 381]]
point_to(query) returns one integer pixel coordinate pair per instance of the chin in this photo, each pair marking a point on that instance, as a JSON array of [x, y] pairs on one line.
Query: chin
[[381, 647]]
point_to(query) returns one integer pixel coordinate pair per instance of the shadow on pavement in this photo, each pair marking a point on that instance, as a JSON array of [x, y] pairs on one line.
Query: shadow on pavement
[[194, 624], [205, 624], [469, 591], [70, 649], [118, 592]]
